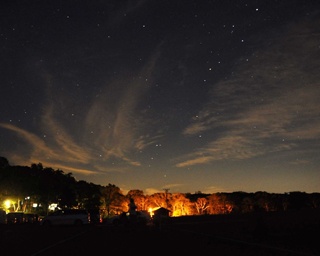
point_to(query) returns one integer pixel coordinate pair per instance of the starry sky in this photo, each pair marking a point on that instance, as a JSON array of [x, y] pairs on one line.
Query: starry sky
[[210, 96]]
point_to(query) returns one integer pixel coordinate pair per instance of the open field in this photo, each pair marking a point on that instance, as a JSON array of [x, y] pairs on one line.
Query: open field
[[273, 234]]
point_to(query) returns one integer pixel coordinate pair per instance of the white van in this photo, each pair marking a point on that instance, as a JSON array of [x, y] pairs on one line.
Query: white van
[[66, 217]]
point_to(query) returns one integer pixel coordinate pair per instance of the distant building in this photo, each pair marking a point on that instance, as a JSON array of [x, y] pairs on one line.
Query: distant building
[[161, 212]]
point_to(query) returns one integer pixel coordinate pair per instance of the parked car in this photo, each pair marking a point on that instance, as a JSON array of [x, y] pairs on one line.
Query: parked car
[[117, 220], [30, 218], [15, 218], [74, 217], [144, 217], [141, 218]]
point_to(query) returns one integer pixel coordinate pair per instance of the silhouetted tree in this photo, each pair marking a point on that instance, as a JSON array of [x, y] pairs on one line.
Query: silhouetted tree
[[138, 197], [112, 196], [297, 200], [46, 185], [88, 195], [4, 163]]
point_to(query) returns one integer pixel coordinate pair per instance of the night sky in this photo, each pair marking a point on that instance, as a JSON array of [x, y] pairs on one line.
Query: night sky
[[210, 96]]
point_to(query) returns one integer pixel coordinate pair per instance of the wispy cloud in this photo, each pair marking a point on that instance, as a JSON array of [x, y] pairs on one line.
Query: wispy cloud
[[269, 105], [214, 189], [110, 127], [39, 146]]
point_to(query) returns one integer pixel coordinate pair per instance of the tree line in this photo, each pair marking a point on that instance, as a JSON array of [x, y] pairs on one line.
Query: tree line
[[44, 186]]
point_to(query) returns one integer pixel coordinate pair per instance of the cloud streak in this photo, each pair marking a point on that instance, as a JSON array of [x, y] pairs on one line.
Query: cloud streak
[[110, 127], [270, 104]]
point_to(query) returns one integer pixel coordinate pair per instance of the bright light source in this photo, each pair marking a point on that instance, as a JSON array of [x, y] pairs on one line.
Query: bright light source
[[7, 204], [52, 207], [150, 211]]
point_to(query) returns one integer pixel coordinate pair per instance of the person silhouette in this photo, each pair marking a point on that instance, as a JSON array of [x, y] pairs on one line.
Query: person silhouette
[[132, 211]]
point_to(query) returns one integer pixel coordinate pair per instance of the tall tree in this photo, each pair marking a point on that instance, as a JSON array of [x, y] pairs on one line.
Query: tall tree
[[112, 198], [138, 197]]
